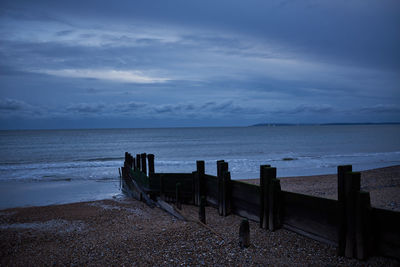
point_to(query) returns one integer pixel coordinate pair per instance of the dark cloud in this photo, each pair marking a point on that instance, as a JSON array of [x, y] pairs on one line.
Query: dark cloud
[[64, 33], [313, 108], [87, 108], [381, 109], [12, 105], [17, 108]]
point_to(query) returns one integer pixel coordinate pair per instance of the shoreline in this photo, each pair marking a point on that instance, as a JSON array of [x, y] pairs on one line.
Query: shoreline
[[123, 231], [382, 183]]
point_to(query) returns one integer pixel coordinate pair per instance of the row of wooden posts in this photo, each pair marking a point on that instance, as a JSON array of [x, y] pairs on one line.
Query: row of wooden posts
[[354, 238], [140, 162]]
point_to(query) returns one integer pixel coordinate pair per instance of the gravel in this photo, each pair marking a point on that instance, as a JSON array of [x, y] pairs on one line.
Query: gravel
[[127, 232], [117, 236]]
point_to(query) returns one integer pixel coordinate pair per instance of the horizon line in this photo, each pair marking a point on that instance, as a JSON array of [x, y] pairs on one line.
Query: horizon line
[[271, 124]]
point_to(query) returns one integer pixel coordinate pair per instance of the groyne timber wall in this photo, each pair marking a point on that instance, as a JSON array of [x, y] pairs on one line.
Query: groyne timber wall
[[349, 223]]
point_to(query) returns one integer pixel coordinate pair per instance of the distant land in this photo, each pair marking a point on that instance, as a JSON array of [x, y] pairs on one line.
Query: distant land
[[321, 124]]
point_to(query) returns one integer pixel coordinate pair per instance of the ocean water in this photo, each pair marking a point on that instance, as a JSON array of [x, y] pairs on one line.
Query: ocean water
[[66, 158]]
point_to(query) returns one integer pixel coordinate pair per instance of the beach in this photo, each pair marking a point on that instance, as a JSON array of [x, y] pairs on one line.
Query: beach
[[123, 231], [383, 184]]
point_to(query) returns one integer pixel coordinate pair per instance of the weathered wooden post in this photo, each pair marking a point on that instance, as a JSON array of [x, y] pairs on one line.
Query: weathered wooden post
[[219, 179], [144, 165], [352, 186], [138, 162], [162, 187], [130, 161], [195, 189], [226, 193], [178, 196], [363, 227], [274, 199], [244, 234], [202, 210], [150, 159], [134, 163], [201, 179], [341, 173], [222, 169], [264, 189]]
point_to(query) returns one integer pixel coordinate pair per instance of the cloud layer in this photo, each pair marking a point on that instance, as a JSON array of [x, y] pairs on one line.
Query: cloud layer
[[216, 63]]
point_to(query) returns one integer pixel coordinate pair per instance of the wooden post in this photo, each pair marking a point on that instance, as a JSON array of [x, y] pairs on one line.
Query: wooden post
[[264, 183], [162, 186], [150, 158], [363, 229], [244, 234], [134, 164], [201, 178], [341, 173], [219, 179], [226, 194], [202, 209], [130, 161], [222, 168], [275, 203], [138, 162], [144, 167], [352, 186], [196, 188], [178, 196], [126, 157]]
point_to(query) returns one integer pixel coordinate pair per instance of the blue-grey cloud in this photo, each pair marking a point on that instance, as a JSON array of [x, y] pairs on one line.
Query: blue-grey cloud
[[64, 33], [306, 108], [12, 105], [279, 60], [380, 108], [86, 108]]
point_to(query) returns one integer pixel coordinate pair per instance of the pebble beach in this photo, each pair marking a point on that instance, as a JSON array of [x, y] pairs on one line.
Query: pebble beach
[[124, 231]]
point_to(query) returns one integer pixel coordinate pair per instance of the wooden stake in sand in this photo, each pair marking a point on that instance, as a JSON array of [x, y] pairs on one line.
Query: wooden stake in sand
[[244, 234]]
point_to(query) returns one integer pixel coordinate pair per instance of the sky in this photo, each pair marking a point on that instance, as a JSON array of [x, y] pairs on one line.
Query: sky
[[139, 64]]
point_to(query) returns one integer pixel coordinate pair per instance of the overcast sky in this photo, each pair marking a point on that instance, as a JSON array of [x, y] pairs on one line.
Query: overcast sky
[[85, 64]]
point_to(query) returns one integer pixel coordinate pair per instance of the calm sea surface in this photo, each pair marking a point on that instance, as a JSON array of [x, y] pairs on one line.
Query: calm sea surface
[[81, 156]]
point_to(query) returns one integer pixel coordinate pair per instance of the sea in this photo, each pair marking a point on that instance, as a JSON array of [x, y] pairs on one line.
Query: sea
[[45, 167]]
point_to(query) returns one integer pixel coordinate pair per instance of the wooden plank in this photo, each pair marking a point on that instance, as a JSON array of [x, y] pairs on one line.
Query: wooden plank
[[386, 232], [202, 210], [211, 187], [245, 209], [178, 196], [168, 208], [309, 235], [363, 220], [315, 215], [245, 191]]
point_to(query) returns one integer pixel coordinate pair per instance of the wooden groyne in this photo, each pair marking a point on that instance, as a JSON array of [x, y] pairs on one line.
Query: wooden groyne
[[349, 223]]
